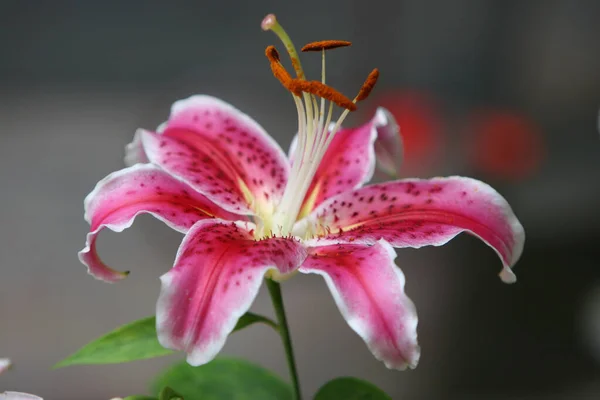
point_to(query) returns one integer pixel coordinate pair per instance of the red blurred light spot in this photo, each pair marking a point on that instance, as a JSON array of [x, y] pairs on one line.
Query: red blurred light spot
[[420, 124], [505, 144]]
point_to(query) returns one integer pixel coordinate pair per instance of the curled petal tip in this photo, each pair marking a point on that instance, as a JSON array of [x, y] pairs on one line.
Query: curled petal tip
[[389, 148], [268, 22], [415, 360], [113, 276], [411, 362], [96, 267], [507, 275]]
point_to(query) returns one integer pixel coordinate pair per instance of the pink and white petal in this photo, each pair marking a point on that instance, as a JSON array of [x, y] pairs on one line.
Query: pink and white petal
[[222, 153], [217, 273], [348, 163], [5, 364], [368, 289], [18, 396], [143, 188], [389, 150], [205, 170], [416, 213]]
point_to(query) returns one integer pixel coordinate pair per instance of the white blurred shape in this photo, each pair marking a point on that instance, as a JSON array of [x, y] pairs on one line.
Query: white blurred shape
[[4, 364], [18, 396]]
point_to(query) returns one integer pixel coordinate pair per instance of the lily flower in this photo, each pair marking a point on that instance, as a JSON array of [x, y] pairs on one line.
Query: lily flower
[[249, 212]]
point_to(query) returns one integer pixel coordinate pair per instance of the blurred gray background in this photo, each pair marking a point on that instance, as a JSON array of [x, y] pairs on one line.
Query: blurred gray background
[[78, 77]]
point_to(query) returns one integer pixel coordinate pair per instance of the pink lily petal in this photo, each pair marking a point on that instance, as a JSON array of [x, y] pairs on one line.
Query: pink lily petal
[[350, 160], [368, 288], [416, 213], [18, 396], [220, 152], [144, 188], [216, 276], [5, 364], [389, 149], [348, 163]]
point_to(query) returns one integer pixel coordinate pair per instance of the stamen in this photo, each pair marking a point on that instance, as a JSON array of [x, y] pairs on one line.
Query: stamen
[[322, 113], [270, 23], [324, 91], [316, 109], [314, 135], [272, 53], [279, 70], [325, 45], [369, 84]]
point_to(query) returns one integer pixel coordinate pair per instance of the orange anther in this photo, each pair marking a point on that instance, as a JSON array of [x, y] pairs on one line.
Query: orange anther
[[325, 45]]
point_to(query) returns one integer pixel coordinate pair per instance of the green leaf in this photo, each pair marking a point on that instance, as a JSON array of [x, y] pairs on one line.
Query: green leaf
[[169, 394], [222, 379], [348, 388], [251, 318], [136, 341]]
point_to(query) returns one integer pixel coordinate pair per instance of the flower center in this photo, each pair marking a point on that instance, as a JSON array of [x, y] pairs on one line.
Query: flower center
[[314, 131]]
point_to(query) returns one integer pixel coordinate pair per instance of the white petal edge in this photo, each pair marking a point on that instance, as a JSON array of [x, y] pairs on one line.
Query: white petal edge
[[18, 396], [361, 330]]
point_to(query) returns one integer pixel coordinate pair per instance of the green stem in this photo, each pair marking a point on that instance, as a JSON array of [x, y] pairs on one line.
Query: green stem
[[284, 331]]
